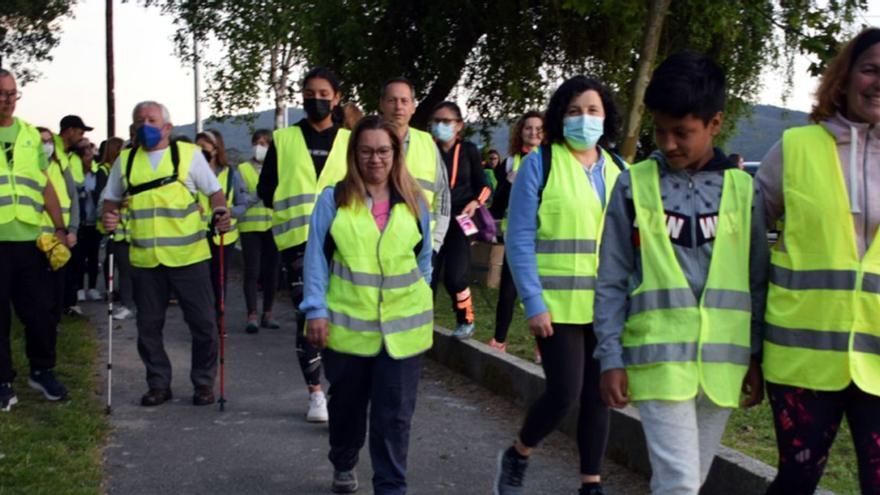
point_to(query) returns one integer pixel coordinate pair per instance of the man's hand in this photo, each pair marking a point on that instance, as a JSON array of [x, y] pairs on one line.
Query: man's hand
[[612, 386], [753, 385], [110, 220], [540, 325], [222, 219], [317, 332], [471, 208], [70, 240]]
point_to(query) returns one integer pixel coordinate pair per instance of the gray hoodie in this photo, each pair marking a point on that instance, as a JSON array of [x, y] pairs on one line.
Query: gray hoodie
[[691, 202], [861, 174]]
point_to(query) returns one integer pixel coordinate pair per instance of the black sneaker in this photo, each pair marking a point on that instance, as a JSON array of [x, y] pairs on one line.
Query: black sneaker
[[511, 471], [344, 482], [7, 397], [591, 489], [45, 382]]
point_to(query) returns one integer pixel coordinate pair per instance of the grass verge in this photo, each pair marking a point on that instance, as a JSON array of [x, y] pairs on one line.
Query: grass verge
[[749, 431], [55, 447]]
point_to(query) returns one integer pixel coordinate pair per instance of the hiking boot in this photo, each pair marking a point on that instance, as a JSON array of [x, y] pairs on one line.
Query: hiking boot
[[511, 472], [156, 397], [498, 346], [203, 395], [464, 331], [45, 382], [317, 409], [344, 482], [7, 397]]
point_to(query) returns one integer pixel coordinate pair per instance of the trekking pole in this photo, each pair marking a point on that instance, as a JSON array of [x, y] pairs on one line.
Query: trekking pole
[[109, 408], [221, 324]]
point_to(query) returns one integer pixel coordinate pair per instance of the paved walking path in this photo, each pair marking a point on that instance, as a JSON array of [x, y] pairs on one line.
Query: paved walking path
[[262, 444]]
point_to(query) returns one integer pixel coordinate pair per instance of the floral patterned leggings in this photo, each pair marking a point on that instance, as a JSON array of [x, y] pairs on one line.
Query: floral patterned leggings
[[806, 423]]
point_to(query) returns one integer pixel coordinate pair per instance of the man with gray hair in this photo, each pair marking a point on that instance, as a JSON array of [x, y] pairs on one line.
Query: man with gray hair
[[25, 193], [156, 181]]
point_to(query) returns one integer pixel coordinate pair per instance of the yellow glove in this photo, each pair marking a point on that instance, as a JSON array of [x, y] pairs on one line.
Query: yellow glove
[[57, 253]]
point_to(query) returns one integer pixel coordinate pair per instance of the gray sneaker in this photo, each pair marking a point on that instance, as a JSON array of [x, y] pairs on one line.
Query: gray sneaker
[[463, 331], [344, 482], [511, 471]]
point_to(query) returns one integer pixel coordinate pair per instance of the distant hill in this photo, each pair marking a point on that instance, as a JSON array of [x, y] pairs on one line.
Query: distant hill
[[755, 134]]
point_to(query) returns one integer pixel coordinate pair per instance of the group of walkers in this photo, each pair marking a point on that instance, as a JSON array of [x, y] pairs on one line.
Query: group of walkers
[[650, 284]]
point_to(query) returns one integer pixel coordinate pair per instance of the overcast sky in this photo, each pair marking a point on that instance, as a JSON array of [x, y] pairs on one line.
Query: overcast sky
[[146, 69]]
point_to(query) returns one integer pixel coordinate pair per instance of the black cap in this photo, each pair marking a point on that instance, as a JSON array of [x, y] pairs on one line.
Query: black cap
[[73, 121]]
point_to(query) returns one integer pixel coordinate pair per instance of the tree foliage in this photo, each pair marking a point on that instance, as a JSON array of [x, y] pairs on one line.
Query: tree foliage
[[29, 30]]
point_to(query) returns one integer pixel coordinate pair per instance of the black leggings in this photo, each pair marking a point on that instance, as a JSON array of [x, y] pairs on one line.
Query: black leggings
[[506, 302], [572, 377], [454, 261], [309, 355], [85, 258], [806, 423], [260, 263]]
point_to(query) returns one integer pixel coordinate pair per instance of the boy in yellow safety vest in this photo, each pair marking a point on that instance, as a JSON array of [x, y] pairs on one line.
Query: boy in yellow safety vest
[[682, 280]]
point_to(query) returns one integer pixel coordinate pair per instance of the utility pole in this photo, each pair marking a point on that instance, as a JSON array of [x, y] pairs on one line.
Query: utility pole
[[197, 86], [111, 89]]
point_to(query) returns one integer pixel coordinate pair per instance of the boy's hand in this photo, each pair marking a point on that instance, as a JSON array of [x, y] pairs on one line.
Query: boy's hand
[[753, 385], [612, 386], [540, 325], [317, 332]]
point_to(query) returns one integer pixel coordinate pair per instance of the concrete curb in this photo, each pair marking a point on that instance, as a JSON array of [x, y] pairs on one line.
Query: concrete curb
[[733, 473]]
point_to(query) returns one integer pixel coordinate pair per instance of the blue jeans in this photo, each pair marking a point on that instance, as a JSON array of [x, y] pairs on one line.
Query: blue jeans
[[388, 387]]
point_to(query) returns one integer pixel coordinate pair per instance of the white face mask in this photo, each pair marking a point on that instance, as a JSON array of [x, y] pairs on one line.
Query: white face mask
[[260, 152], [48, 148]]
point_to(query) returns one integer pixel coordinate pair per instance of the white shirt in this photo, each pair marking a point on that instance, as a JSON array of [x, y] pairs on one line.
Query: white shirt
[[200, 178]]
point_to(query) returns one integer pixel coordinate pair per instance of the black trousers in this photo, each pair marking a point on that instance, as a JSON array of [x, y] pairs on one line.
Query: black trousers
[[806, 424], [506, 303], [192, 285], [388, 388], [309, 356], [572, 377], [454, 262], [260, 263], [24, 285], [85, 259]]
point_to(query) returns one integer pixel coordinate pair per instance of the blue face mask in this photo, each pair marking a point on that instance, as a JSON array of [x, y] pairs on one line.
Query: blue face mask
[[149, 136], [582, 131], [442, 132]]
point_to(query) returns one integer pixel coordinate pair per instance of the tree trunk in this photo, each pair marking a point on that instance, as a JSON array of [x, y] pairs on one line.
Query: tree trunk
[[656, 13], [273, 83]]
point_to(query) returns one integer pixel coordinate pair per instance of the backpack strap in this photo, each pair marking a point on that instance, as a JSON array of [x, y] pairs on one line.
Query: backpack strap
[[546, 162], [153, 184], [621, 165]]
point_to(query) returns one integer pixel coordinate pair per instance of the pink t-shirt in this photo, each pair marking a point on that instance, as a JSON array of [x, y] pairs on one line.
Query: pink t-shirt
[[380, 211]]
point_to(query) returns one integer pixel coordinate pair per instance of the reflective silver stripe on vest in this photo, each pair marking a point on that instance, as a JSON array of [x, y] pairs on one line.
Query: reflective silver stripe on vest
[[871, 283], [727, 299], [813, 279], [292, 201], [24, 181], [167, 241], [373, 280], [164, 212], [289, 225], [256, 218], [428, 185], [4, 179], [662, 299], [565, 246], [821, 340], [863, 342], [679, 352], [24, 200], [6, 200], [566, 282], [388, 327]]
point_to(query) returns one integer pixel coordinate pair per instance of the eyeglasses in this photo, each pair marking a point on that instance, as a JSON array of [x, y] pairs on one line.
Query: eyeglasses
[[10, 95], [383, 152]]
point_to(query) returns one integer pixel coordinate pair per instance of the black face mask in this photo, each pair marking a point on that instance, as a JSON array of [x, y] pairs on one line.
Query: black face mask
[[316, 109]]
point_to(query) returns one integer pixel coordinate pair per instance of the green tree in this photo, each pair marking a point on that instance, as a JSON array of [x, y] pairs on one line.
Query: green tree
[[29, 30]]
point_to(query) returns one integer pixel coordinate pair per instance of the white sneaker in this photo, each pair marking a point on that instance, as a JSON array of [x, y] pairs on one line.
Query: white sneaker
[[94, 295], [317, 408], [80, 295], [122, 313]]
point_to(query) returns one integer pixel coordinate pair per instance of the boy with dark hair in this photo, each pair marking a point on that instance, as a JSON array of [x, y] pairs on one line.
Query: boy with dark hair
[[682, 280]]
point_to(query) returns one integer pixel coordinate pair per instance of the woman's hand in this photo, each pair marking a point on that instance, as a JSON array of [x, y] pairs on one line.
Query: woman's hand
[[540, 325], [612, 387], [471, 208], [317, 331]]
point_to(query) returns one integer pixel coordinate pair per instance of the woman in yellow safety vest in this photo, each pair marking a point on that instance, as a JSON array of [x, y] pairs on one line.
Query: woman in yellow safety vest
[[214, 150], [120, 246], [822, 334], [368, 302]]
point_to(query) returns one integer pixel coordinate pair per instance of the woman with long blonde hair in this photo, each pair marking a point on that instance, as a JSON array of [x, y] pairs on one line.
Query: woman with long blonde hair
[[368, 304]]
